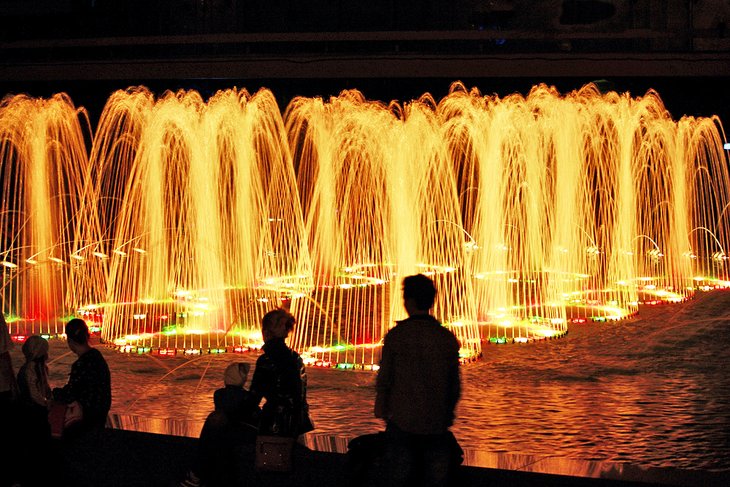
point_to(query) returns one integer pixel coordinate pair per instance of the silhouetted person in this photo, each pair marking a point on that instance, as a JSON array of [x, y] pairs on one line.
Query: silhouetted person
[[418, 386], [8, 384], [34, 438], [226, 444], [35, 391], [8, 397], [89, 385], [281, 380], [90, 380]]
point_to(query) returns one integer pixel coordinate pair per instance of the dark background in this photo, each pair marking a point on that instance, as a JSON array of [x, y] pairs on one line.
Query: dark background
[[698, 97], [90, 48]]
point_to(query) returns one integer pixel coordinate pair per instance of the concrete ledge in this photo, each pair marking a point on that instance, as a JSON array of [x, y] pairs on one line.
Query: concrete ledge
[[131, 458]]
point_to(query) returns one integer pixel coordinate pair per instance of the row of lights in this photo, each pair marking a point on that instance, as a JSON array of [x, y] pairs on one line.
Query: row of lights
[[188, 352], [503, 339]]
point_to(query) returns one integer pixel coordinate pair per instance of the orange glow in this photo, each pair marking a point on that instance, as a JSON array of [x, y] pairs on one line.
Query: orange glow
[[187, 219]]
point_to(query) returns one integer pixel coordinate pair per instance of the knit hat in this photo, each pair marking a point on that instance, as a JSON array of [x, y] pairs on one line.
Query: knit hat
[[35, 347], [235, 374]]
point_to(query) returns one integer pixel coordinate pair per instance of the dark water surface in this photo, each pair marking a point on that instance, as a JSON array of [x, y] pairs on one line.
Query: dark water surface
[[652, 392]]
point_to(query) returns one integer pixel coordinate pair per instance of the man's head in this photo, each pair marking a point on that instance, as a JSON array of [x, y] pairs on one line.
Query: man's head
[[77, 335], [277, 324], [419, 294]]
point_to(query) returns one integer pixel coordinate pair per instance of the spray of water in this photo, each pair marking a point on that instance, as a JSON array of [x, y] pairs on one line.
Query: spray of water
[[179, 222]]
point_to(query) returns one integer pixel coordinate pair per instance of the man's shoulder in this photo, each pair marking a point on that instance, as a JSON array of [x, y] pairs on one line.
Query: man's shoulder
[[418, 326], [281, 358], [420, 322], [94, 355]]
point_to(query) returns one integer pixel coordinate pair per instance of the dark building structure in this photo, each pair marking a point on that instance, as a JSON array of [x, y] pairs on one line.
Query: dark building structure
[[388, 48]]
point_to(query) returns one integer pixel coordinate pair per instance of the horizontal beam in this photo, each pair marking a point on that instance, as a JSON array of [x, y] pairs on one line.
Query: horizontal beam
[[341, 38], [374, 66]]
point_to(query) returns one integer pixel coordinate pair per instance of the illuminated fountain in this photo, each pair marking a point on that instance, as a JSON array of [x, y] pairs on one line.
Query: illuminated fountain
[[188, 219], [204, 218], [587, 200], [44, 172], [380, 203]]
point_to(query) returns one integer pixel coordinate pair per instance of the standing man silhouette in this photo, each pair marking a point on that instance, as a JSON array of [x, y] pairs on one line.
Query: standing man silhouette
[[418, 386]]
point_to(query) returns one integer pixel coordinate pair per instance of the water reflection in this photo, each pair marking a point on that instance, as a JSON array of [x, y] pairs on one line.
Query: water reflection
[[652, 392], [553, 465]]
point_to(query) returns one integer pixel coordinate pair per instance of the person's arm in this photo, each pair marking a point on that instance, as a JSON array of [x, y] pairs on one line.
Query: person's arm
[[383, 382], [90, 385], [37, 387], [259, 382], [454, 383], [64, 394], [304, 420]]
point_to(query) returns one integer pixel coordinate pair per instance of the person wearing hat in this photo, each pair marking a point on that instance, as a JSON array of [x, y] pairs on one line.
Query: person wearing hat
[[234, 400], [35, 399], [35, 392], [228, 433]]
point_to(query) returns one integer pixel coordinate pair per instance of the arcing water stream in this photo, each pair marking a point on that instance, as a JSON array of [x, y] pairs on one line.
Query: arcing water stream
[[176, 222]]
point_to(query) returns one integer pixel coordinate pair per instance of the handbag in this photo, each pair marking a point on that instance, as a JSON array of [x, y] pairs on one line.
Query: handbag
[[274, 453], [62, 416]]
